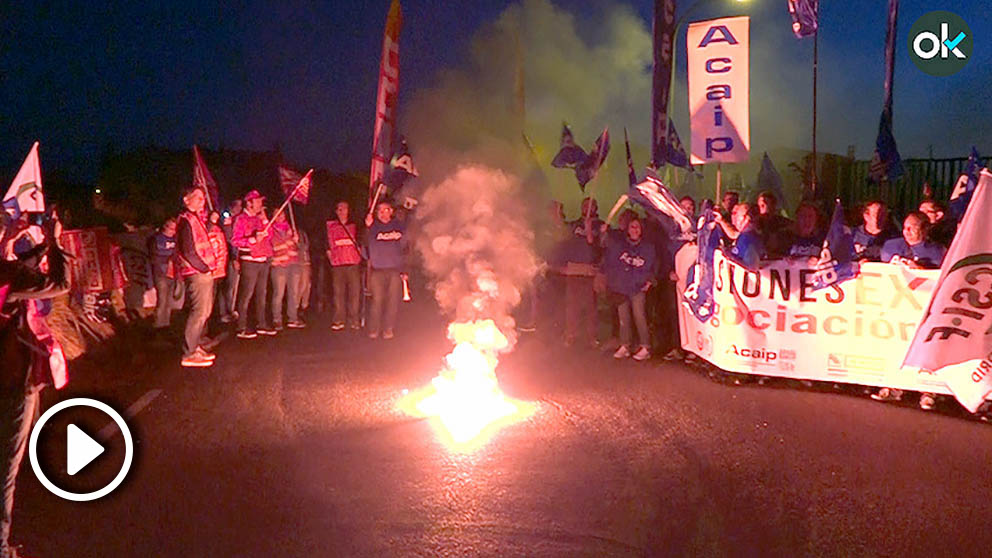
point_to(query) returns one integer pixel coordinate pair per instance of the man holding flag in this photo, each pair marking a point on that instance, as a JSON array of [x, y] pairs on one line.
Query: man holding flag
[[251, 238], [195, 262]]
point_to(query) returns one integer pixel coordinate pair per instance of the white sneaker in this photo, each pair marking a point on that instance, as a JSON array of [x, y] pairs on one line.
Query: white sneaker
[[642, 354], [622, 352]]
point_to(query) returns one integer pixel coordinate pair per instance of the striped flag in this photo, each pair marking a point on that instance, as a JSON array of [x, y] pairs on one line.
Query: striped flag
[[204, 180], [654, 197], [386, 97], [294, 185], [25, 194]]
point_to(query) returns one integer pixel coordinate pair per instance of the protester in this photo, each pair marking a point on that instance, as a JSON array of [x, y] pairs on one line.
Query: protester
[[219, 270], [195, 260], [808, 234], [873, 232], [387, 261], [689, 205], [942, 229], [580, 254], [252, 239], [346, 279], [630, 265], [772, 226], [728, 202], [233, 264], [161, 249], [285, 273], [914, 249], [746, 247], [29, 362], [306, 273]]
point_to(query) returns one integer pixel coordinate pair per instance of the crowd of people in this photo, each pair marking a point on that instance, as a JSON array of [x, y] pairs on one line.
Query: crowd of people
[[244, 268], [630, 269]]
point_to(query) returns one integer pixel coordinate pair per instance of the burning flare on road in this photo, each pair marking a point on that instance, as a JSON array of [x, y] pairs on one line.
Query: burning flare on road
[[465, 398]]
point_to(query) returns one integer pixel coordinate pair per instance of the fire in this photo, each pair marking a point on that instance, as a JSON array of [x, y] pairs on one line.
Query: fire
[[465, 399]]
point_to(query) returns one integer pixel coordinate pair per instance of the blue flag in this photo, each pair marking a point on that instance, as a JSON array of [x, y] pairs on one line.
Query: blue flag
[[770, 180], [836, 261], [401, 168], [805, 17], [676, 151], [698, 295], [965, 185], [885, 163], [586, 165]]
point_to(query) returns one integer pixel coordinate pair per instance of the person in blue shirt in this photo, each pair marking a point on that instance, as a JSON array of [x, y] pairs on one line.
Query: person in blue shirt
[[746, 247], [873, 232], [807, 238], [913, 249], [161, 248], [630, 265], [387, 239], [579, 254]]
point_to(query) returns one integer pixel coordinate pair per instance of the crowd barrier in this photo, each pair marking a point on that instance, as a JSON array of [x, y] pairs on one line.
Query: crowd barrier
[[771, 322]]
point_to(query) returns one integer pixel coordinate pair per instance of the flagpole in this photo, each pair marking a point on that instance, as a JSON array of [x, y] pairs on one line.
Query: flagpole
[[292, 217], [718, 178], [816, 43]]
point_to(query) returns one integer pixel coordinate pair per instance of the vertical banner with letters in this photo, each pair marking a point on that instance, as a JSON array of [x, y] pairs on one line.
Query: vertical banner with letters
[[719, 90], [664, 65], [386, 98]]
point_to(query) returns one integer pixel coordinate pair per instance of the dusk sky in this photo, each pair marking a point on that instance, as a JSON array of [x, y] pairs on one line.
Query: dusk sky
[[303, 74]]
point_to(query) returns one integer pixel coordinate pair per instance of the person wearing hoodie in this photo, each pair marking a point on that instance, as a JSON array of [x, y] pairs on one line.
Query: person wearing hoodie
[[630, 264]]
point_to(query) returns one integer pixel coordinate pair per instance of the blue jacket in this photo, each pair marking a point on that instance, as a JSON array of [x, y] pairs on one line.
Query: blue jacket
[[576, 248], [927, 254], [628, 266], [161, 248], [868, 246], [387, 245], [803, 246]]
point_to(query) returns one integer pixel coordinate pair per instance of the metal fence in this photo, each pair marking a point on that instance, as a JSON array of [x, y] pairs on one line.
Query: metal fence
[[854, 186]]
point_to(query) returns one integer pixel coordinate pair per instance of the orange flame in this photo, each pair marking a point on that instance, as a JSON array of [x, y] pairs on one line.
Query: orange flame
[[465, 399]]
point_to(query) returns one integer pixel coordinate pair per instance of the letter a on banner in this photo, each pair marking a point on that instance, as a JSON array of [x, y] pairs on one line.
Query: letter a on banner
[[719, 90]]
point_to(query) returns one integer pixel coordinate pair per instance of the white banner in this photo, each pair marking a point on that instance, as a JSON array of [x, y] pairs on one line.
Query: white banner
[[771, 322], [719, 88]]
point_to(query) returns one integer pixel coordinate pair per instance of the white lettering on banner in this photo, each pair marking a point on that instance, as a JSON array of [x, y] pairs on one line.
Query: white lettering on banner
[[718, 66], [389, 235], [771, 322]]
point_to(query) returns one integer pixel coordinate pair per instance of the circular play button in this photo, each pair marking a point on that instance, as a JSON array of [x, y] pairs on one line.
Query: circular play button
[[81, 448]]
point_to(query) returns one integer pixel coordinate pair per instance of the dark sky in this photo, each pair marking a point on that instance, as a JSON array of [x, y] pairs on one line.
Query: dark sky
[[81, 76]]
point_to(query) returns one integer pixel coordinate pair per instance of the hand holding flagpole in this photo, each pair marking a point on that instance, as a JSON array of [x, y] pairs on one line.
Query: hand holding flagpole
[[304, 183]]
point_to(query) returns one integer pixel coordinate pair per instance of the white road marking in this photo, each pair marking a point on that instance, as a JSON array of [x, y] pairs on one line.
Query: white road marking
[[108, 431]]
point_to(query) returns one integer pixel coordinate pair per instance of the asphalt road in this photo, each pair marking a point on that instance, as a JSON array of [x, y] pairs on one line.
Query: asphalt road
[[293, 446]]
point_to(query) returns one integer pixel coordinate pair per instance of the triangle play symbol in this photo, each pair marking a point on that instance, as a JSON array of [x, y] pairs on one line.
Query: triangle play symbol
[[81, 449]]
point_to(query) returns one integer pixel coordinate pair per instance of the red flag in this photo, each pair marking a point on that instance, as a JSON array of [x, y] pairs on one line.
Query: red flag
[[288, 179], [385, 106], [301, 193], [204, 180]]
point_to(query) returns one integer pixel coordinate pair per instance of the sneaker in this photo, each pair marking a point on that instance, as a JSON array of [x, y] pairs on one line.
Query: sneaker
[[338, 326], [528, 328], [388, 334], [373, 335], [196, 360], [266, 331], [296, 324], [226, 319], [247, 334], [675, 354], [355, 327], [206, 354], [622, 352], [643, 353], [927, 401], [278, 327], [887, 394]]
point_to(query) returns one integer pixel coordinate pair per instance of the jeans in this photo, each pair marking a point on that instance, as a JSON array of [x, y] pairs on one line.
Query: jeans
[[285, 284], [231, 285], [634, 304], [163, 300], [665, 315], [580, 308], [347, 286], [306, 284], [387, 289], [254, 284], [200, 289], [17, 413], [224, 306]]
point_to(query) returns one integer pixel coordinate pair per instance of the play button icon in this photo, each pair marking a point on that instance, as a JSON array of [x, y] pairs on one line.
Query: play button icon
[[82, 450]]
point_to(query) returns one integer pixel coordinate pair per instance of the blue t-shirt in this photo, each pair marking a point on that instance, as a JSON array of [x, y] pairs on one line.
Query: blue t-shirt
[[748, 248], [576, 248], [162, 249], [868, 246], [628, 266], [805, 246], [927, 254], [387, 245]]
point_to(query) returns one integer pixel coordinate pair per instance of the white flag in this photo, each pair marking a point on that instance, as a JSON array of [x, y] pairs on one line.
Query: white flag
[[24, 194], [955, 337]]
